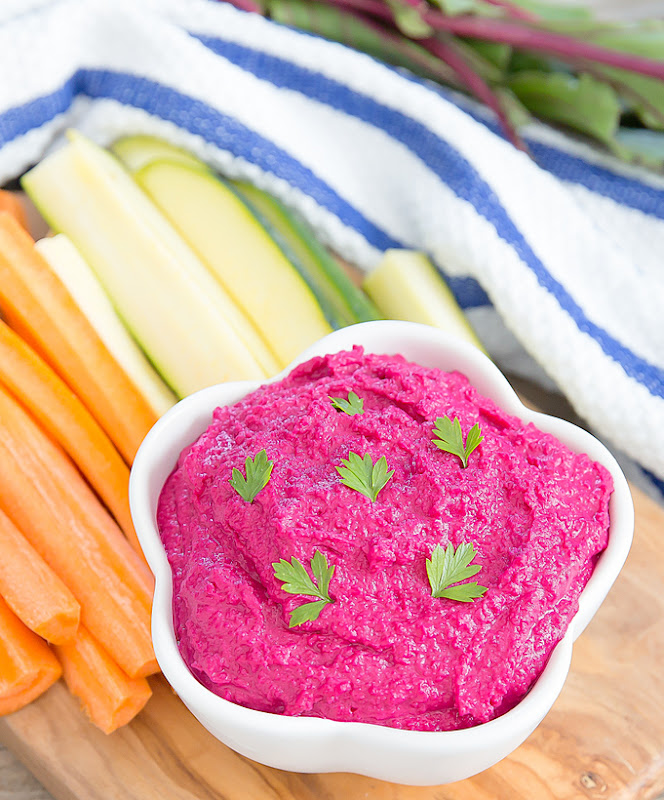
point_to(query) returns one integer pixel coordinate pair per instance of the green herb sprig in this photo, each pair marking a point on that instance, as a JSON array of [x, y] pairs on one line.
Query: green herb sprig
[[362, 475], [297, 581], [258, 474], [450, 438], [354, 405], [447, 566]]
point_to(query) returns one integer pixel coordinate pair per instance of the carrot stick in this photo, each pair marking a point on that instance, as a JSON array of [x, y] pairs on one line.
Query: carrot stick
[[37, 306], [27, 665], [32, 590], [47, 499], [108, 696], [49, 468], [67, 420], [10, 203]]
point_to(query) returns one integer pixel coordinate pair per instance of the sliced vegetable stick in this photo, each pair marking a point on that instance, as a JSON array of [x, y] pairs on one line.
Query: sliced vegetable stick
[[108, 696], [32, 590], [46, 498], [36, 304], [84, 286], [10, 203], [67, 420], [406, 285], [27, 665], [45, 462], [178, 312], [53, 476]]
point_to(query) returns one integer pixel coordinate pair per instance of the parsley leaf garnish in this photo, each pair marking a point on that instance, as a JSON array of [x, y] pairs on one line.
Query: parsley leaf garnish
[[446, 567], [450, 438], [258, 474], [297, 581], [363, 475], [354, 405]]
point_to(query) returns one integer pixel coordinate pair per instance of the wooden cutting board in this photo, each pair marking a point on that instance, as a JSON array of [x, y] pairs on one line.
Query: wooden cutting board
[[604, 737]]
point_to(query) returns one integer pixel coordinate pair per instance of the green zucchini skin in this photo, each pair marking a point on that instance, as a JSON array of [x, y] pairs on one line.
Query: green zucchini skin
[[321, 271], [341, 301]]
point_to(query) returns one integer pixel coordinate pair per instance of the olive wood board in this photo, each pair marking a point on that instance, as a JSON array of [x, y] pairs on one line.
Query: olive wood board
[[604, 737]]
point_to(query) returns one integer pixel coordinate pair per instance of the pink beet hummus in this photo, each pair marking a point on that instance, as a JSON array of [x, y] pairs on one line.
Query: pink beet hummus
[[385, 651]]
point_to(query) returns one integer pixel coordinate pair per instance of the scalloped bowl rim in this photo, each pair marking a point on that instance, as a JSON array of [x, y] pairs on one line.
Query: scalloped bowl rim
[[364, 748]]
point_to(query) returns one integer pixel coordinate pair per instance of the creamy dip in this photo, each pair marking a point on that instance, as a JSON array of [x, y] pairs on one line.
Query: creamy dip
[[385, 651]]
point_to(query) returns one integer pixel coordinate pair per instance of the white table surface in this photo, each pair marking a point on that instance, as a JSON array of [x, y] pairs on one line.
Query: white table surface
[[16, 783]]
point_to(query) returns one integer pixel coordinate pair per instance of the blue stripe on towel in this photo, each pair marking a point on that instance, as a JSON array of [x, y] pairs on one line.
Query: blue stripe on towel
[[619, 188], [566, 166], [20, 120], [227, 133], [451, 168], [198, 118], [468, 292], [602, 180]]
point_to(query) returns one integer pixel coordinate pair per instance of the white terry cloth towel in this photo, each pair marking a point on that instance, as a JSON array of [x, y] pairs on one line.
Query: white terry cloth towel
[[560, 254]]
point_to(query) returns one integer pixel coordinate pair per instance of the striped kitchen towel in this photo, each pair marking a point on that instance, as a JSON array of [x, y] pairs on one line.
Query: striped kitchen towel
[[557, 260]]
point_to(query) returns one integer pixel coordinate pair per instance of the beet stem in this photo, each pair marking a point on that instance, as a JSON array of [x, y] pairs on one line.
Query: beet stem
[[519, 35], [246, 5], [535, 39], [515, 11], [476, 84]]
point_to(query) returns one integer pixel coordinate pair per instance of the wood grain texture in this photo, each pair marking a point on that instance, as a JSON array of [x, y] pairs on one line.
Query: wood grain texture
[[16, 782], [604, 737]]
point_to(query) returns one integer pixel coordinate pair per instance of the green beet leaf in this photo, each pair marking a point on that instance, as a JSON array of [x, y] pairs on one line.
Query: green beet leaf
[[582, 103]]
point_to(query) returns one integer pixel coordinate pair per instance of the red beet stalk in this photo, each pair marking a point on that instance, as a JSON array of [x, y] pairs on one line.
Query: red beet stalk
[[516, 35], [475, 84], [557, 44], [516, 12], [246, 5]]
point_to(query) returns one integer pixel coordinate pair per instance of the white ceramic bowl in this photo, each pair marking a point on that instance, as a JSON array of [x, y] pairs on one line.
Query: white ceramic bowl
[[306, 744]]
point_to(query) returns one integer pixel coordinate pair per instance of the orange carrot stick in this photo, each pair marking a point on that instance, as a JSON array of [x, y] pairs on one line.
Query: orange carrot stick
[[49, 469], [10, 203], [47, 499], [32, 590], [67, 420], [27, 665], [108, 696], [38, 307]]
